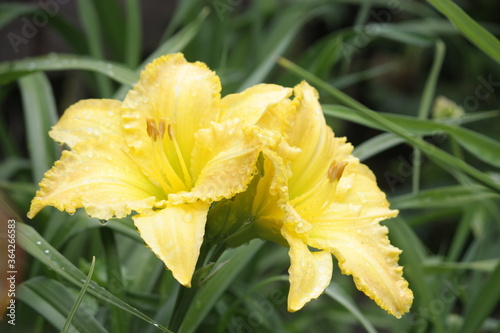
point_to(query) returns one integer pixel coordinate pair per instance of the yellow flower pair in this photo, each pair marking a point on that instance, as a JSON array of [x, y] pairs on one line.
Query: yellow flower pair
[[177, 154]]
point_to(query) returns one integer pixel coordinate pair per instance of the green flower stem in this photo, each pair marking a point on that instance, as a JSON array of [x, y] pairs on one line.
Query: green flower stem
[[186, 295]]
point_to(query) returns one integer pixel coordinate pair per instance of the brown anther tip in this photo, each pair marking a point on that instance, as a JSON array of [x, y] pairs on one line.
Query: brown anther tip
[[151, 129], [170, 132], [335, 171]]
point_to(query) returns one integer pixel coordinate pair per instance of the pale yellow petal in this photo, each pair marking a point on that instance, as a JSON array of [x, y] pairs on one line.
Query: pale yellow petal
[[99, 177], [251, 104], [224, 158], [173, 99], [91, 119], [319, 148], [346, 223], [363, 251], [175, 235], [310, 272]]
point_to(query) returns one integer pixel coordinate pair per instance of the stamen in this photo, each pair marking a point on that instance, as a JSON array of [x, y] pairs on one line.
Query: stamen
[[151, 128], [161, 128], [335, 171], [185, 171], [170, 132]]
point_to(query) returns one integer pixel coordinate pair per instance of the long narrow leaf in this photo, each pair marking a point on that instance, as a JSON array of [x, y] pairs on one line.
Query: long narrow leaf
[[12, 70], [79, 299], [53, 301], [40, 115], [479, 36], [336, 293]]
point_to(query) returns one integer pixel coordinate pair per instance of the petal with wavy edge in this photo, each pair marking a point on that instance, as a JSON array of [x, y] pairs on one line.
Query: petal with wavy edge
[[251, 104], [99, 177], [175, 235], [364, 251], [224, 157], [309, 132], [310, 272], [176, 97], [97, 119]]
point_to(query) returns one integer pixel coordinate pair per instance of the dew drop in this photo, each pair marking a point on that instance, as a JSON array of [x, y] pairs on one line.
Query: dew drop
[[46, 251], [103, 222], [155, 324], [31, 65], [38, 243], [188, 218]]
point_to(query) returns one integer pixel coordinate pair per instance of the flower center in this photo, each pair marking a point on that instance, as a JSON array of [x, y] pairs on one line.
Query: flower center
[[169, 166]]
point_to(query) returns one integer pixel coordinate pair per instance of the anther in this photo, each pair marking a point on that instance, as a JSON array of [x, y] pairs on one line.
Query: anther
[[170, 132], [335, 171]]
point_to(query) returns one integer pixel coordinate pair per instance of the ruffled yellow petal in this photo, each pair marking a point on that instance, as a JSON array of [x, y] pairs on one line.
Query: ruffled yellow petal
[[310, 272], [364, 251], [171, 102], [309, 132], [175, 235], [224, 158], [92, 119], [349, 228], [251, 104], [99, 177]]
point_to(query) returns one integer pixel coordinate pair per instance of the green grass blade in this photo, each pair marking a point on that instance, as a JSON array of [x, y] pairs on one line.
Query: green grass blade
[[412, 257], [425, 107], [119, 319], [174, 44], [12, 70], [487, 265], [133, 32], [40, 115], [479, 36], [209, 294], [450, 196], [54, 301], [279, 39], [376, 145], [481, 146], [483, 303], [110, 18], [37, 246], [89, 18], [336, 293], [79, 299], [11, 11]]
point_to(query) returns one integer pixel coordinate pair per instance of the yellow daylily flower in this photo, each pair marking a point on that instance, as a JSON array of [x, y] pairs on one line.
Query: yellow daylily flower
[[165, 152], [316, 198]]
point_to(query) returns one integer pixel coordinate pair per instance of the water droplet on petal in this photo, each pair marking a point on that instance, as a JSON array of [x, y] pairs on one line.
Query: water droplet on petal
[[103, 222]]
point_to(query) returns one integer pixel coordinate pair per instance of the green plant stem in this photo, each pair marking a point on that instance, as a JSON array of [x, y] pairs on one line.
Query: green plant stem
[[186, 295]]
